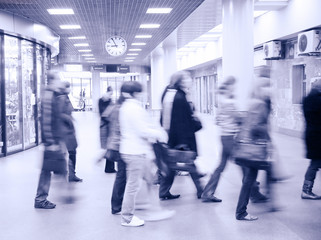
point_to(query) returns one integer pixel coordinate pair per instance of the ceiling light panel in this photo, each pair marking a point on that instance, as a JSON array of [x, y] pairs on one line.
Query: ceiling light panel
[[87, 55], [61, 11], [159, 10], [143, 36], [84, 50], [132, 54], [134, 50], [139, 44], [70, 26], [149, 25], [77, 37], [81, 44]]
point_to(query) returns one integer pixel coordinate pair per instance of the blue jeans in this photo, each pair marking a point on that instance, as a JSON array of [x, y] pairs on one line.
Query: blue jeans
[[119, 186], [227, 147], [312, 170], [134, 170]]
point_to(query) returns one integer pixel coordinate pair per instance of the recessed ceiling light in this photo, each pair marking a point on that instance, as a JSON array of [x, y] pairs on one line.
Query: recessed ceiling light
[[139, 44], [70, 26], [90, 58], [132, 54], [78, 37], [84, 50], [57, 11], [128, 60], [134, 49], [143, 36], [159, 10], [81, 44], [149, 26], [87, 55], [91, 61]]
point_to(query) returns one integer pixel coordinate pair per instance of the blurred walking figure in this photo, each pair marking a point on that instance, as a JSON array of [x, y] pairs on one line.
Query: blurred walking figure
[[104, 102], [51, 124], [68, 131], [228, 120], [312, 115], [111, 115], [177, 118], [136, 135], [255, 138]]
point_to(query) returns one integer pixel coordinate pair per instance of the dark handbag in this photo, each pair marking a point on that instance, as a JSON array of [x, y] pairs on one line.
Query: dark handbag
[[112, 155], [197, 124], [181, 158], [251, 153], [160, 150], [54, 161]]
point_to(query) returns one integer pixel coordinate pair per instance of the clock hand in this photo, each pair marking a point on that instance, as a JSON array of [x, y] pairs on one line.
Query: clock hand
[[114, 42]]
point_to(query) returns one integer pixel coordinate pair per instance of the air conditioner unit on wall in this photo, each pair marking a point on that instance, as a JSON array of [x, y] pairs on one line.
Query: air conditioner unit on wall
[[309, 43], [272, 50]]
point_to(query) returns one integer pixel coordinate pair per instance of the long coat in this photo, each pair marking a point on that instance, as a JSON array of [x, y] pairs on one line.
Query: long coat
[[67, 126], [312, 114], [182, 125]]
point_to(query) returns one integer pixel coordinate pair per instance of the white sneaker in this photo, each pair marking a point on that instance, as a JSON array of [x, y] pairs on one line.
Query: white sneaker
[[135, 222]]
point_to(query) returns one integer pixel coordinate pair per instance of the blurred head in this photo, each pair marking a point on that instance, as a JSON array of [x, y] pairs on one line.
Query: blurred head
[[53, 79], [263, 71], [316, 85], [131, 89], [262, 88], [65, 87], [227, 87], [109, 93], [181, 80]]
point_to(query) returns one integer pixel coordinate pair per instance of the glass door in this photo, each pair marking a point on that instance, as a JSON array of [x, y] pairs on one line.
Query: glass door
[[39, 84], [28, 94], [13, 97]]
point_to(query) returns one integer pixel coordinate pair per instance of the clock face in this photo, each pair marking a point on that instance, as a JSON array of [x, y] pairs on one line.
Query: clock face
[[116, 46]]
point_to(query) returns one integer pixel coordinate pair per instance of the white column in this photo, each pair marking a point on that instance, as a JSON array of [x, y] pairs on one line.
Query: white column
[[238, 46], [95, 89], [170, 49], [157, 78]]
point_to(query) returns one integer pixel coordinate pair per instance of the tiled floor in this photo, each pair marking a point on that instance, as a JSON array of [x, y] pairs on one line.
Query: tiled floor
[[90, 217]]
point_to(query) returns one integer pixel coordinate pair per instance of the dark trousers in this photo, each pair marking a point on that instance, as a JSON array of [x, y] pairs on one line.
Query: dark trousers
[[249, 178], [315, 165], [72, 162], [167, 182], [119, 187], [227, 147]]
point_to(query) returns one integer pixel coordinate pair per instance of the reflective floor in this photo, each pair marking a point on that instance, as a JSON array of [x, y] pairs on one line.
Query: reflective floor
[[90, 218]]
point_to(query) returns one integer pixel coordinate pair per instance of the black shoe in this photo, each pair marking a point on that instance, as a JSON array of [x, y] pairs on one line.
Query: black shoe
[[74, 179], [110, 171], [259, 199], [116, 212], [45, 205], [170, 196], [211, 199]]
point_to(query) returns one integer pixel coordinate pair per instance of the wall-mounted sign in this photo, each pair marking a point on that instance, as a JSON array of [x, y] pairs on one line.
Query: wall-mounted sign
[[99, 68], [123, 69]]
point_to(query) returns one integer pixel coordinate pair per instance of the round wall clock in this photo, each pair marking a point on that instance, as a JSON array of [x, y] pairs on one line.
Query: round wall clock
[[116, 46]]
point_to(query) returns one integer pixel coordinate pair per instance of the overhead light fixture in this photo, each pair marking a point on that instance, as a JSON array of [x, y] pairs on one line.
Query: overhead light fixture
[[128, 60], [84, 50], [134, 49], [159, 10], [87, 55], [143, 36], [78, 37], [132, 54], [81, 44], [139, 44], [154, 25], [70, 26], [90, 58], [61, 11], [91, 61]]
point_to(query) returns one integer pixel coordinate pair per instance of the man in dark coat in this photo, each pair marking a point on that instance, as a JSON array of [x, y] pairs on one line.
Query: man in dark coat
[[312, 115], [178, 120]]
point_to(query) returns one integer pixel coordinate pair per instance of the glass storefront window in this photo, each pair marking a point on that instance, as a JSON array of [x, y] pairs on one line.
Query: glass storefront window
[[13, 107], [28, 94]]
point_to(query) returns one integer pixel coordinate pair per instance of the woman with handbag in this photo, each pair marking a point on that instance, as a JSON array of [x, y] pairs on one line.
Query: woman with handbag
[[253, 140]]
